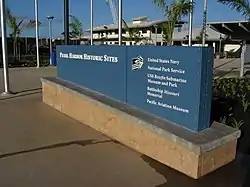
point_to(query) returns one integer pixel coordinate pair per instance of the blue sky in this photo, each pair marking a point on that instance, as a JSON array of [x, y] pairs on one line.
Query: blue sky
[[102, 14]]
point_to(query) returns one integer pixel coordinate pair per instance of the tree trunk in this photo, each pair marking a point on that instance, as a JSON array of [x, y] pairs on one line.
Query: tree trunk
[[19, 52], [15, 49]]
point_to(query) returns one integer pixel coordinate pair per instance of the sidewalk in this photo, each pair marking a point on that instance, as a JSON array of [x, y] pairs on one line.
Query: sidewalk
[[40, 147]]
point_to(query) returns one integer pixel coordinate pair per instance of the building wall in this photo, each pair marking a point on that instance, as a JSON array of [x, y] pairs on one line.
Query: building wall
[[111, 37]]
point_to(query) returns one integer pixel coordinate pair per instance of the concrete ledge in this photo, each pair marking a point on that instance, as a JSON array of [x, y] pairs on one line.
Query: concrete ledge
[[194, 154]]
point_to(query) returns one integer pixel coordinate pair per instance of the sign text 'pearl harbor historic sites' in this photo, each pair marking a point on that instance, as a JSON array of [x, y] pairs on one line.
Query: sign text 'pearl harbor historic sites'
[[173, 83]]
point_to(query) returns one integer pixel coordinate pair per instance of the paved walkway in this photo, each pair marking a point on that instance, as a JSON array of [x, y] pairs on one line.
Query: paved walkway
[[229, 67], [39, 147]]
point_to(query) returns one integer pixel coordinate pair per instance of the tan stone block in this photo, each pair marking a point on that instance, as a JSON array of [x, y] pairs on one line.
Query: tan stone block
[[184, 154]]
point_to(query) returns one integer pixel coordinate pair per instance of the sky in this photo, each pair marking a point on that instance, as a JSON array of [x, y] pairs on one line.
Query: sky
[[102, 13]]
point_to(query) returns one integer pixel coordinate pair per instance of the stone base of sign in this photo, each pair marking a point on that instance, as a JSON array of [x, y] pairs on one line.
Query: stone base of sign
[[192, 153]]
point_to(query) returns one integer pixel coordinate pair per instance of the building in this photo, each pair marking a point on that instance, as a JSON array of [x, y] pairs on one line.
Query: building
[[150, 31], [237, 31], [213, 38]]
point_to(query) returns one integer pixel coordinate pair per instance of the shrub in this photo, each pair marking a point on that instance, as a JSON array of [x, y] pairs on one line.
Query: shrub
[[231, 101]]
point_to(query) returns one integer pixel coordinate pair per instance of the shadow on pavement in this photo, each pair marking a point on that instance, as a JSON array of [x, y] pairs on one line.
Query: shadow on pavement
[[227, 62], [80, 143], [22, 94], [29, 90], [235, 174], [246, 164], [223, 73]]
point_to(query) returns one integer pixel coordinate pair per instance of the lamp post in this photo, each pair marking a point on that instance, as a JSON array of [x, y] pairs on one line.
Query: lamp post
[[50, 18], [120, 22], [190, 25], [37, 34], [91, 22], [66, 22], [156, 31], [220, 44], [4, 50], [106, 34], [204, 23]]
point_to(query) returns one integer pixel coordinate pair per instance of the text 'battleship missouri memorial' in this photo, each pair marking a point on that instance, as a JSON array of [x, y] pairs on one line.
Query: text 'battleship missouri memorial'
[[154, 99]]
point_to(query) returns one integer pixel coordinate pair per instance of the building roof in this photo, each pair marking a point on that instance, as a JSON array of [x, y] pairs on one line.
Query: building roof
[[143, 24], [140, 18], [234, 29], [211, 35]]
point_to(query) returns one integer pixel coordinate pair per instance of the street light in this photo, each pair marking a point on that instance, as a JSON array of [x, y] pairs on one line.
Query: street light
[[204, 23], [220, 44], [66, 22], [156, 31], [4, 50], [37, 34], [106, 34], [50, 18], [120, 22], [91, 22], [190, 25]]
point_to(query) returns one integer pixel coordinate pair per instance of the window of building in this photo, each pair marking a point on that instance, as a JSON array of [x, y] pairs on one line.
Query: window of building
[[153, 30], [158, 43], [159, 30], [144, 30]]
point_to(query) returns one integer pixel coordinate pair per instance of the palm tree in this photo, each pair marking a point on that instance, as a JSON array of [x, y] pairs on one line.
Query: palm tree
[[16, 26], [76, 29], [173, 12], [160, 3], [134, 34], [241, 6], [199, 38]]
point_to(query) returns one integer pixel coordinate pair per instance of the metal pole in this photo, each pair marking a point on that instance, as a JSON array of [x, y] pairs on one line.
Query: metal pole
[[220, 45], [242, 59], [156, 31], [120, 22], [91, 22], [37, 34], [50, 40], [190, 26], [66, 22], [4, 50], [204, 23]]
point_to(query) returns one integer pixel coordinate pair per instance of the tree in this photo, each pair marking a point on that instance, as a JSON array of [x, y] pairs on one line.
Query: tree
[[75, 26], [134, 34], [17, 26], [199, 38], [173, 12], [241, 6]]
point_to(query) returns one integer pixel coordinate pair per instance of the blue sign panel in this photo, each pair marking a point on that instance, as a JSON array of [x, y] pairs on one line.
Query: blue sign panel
[[174, 83], [99, 68], [171, 82]]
